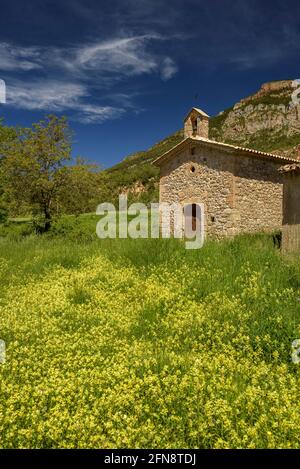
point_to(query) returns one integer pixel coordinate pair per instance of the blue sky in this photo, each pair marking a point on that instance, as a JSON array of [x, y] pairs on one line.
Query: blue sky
[[125, 72]]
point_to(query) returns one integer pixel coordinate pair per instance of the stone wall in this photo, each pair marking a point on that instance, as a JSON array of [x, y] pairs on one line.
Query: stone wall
[[290, 239], [291, 212], [202, 125], [291, 198], [240, 193]]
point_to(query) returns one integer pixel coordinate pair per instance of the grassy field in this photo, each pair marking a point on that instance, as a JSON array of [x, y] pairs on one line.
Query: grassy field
[[141, 343]]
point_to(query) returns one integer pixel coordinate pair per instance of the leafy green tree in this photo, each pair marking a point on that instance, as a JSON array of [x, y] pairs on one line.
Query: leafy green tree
[[81, 193], [34, 166]]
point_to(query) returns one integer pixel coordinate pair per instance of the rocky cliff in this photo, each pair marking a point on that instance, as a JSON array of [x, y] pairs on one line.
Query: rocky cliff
[[267, 120]]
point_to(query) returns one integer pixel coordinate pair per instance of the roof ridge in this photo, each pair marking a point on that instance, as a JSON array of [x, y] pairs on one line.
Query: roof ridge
[[227, 145], [238, 147], [197, 109]]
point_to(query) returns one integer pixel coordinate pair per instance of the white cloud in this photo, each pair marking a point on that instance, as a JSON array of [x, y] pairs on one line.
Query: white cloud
[[168, 68], [55, 96], [81, 70], [89, 113], [118, 58], [44, 94], [18, 58], [127, 56], [112, 60]]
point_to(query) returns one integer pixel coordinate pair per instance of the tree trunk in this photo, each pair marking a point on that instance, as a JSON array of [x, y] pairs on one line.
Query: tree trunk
[[48, 219]]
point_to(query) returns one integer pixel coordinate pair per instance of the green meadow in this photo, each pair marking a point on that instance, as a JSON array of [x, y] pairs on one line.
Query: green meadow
[[142, 343]]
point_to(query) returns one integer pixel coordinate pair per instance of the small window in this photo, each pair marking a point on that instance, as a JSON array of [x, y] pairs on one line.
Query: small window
[[193, 169], [195, 126], [213, 219], [193, 150]]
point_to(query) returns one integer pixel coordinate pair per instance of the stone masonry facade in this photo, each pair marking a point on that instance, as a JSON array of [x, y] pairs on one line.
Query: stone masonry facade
[[241, 194]]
